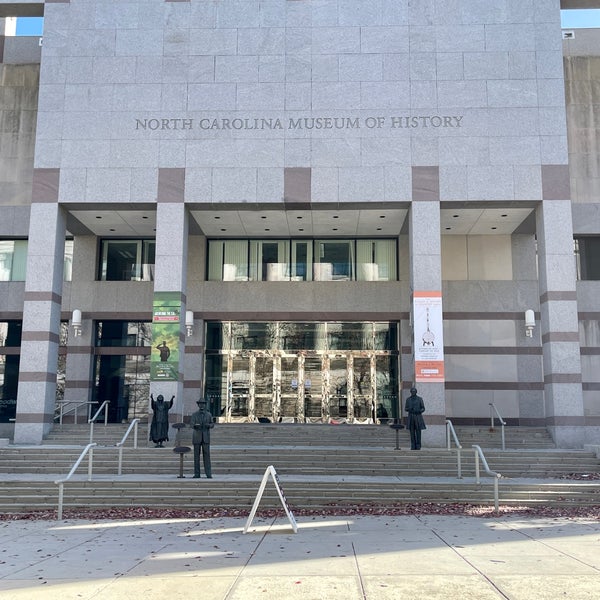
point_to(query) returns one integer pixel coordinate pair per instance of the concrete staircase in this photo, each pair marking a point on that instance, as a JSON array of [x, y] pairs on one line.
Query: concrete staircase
[[319, 466]]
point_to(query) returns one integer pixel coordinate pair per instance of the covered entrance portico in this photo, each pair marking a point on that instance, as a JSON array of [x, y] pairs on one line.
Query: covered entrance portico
[[343, 372]]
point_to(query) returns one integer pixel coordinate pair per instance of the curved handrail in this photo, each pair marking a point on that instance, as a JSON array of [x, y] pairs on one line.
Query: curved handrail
[[133, 425], [451, 431], [95, 417], [502, 422], [61, 482], [479, 454]]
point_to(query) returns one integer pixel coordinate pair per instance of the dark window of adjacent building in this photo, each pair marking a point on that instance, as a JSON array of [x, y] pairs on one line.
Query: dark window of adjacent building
[[127, 260], [10, 342], [587, 253]]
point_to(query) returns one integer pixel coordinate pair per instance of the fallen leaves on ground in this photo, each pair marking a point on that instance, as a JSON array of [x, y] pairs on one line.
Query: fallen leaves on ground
[[417, 508]]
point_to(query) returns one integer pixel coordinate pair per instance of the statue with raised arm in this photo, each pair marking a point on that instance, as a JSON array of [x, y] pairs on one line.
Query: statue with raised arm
[[159, 428]]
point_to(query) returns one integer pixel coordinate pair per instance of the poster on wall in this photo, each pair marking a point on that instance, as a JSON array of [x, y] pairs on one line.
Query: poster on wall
[[429, 336], [164, 363]]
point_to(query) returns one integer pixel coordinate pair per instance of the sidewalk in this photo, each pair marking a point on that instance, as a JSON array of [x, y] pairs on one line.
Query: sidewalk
[[348, 558]]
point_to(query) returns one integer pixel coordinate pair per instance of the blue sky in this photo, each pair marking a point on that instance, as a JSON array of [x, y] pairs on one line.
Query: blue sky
[[571, 19]]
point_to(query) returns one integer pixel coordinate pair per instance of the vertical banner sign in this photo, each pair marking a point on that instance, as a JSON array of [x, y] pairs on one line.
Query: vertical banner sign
[[164, 364], [429, 336]]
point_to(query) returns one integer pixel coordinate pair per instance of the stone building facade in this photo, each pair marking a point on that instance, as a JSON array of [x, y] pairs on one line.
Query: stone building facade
[[314, 204]]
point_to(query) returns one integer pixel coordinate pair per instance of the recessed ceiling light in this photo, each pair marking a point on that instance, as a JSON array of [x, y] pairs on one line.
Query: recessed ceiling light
[[267, 229], [300, 229], [494, 228], [97, 217], [448, 228], [111, 229], [336, 216], [298, 217], [455, 216], [223, 229], [217, 217], [263, 217], [379, 229], [382, 216], [334, 229], [144, 217], [504, 215]]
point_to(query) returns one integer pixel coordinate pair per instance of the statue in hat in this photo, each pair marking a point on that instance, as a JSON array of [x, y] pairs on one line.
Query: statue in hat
[[201, 424], [415, 407], [159, 428]]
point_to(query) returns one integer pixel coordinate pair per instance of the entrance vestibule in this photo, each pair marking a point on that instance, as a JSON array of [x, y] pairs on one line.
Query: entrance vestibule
[[302, 372]]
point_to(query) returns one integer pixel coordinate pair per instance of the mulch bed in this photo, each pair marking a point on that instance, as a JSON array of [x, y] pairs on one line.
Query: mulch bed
[[415, 509]]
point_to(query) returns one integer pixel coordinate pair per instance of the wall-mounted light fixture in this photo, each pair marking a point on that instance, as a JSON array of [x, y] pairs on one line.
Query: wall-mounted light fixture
[[529, 322], [76, 322], [189, 322]]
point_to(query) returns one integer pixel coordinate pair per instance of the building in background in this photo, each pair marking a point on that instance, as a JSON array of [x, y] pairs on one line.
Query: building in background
[[300, 209]]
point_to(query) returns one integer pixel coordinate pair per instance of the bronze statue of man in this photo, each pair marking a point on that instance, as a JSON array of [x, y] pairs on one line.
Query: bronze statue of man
[[415, 407], [201, 424]]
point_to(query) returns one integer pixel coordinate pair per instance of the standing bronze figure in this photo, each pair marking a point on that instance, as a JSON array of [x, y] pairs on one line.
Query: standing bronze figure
[[159, 429], [201, 423], [415, 407]]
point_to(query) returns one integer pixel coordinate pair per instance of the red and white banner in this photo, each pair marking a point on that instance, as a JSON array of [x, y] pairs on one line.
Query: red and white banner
[[428, 330]]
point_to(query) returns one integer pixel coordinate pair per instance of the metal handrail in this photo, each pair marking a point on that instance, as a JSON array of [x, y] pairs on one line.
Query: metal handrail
[[479, 454], [62, 412], [502, 421], [134, 426], [451, 431], [61, 482], [93, 419]]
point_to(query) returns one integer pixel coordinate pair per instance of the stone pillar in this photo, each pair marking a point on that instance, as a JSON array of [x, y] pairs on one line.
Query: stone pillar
[[80, 350], [170, 273], [36, 396], [563, 395], [426, 276]]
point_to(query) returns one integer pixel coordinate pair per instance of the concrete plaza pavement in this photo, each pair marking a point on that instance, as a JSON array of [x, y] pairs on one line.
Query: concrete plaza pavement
[[347, 558]]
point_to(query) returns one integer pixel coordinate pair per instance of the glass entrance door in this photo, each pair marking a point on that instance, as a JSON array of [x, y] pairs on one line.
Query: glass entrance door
[[303, 372]]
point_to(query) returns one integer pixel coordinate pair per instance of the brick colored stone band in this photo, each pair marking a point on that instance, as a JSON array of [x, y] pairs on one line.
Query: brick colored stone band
[[171, 185], [556, 183], [80, 349], [199, 349], [37, 377], [40, 336], [42, 297], [34, 418], [494, 350], [120, 350], [45, 185], [486, 316], [10, 351], [495, 385], [297, 185], [566, 296], [564, 421], [77, 385], [426, 184], [561, 336], [562, 378]]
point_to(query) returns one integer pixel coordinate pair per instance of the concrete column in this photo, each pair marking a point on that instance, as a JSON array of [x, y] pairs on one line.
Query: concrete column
[[426, 276], [563, 395], [170, 273], [80, 352], [41, 321]]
